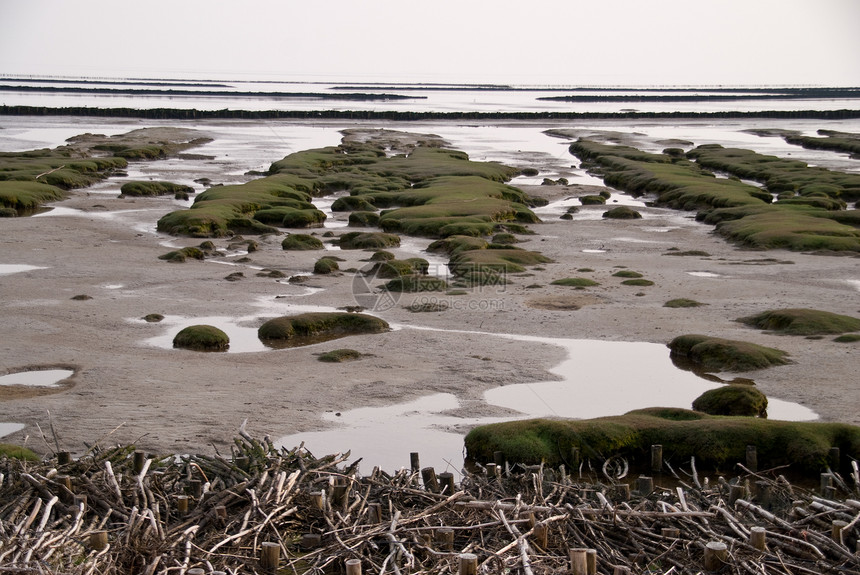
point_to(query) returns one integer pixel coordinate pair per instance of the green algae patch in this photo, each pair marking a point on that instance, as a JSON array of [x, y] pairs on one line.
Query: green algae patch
[[301, 242], [309, 328], [847, 338], [575, 282], [291, 217], [340, 356], [151, 189], [716, 442], [153, 317], [736, 400], [830, 140], [182, 255], [683, 302], [368, 241], [496, 261], [202, 338], [717, 354], [802, 322], [627, 274], [622, 213], [637, 282], [453, 245], [363, 219], [416, 283], [17, 452], [396, 268]]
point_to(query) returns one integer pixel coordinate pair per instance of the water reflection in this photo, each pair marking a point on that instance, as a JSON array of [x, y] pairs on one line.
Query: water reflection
[[37, 378]]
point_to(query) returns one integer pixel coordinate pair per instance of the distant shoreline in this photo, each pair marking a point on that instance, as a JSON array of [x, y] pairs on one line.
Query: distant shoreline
[[391, 115]]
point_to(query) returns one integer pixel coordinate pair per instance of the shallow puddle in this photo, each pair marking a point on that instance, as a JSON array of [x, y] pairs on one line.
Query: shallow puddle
[[37, 378], [598, 378], [9, 428], [704, 274], [6, 269]]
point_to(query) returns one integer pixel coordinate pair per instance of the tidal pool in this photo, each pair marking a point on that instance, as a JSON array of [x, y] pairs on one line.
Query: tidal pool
[[6, 269], [9, 428], [37, 377], [597, 378]]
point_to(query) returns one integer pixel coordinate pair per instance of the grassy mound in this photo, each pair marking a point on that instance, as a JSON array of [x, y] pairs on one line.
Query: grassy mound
[[683, 302], [622, 213], [147, 188], [299, 242], [27, 196], [494, 261], [416, 283], [202, 338], [325, 266], [368, 241], [575, 282], [339, 356], [717, 354], [320, 325], [802, 322], [627, 274], [363, 219], [637, 282], [737, 400], [396, 268], [181, 255], [716, 442]]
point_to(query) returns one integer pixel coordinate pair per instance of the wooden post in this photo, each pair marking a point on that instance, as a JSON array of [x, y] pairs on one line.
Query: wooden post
[[353, 566], [499, 459], [758, 538], [99, 540], [670, 532], [834, 458], [539, 535], [413, 462], [826, 481], [644, 485], [491, 471], [468, 564], [270, 556], [837, 528], [591, 562], [317, 499], [716, 554], [752, 458], [445, 539], [656, 458], [574, 459], [374, 512], [578, 561], [428, 474], [195, 488], [621, 570], [64, 458], [242, 463], [139, 461], [447, 481], [221, 514], [182, 504], [311, 541], [623, 491], [763, 493]]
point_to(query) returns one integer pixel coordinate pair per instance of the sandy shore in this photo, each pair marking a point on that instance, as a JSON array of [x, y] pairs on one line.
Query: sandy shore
[[173, 400]]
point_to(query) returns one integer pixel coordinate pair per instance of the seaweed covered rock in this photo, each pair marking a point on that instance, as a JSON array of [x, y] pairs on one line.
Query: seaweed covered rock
[[368, 240], [325, 266], [202, 338], [339, 356], [622, 213], [717, 354], [802, 321], [320, 325], [148, 188], [416, 283], [299, 242], [740, 400]]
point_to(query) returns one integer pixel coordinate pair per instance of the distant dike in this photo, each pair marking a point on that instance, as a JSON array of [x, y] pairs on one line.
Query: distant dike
[[179, 114]]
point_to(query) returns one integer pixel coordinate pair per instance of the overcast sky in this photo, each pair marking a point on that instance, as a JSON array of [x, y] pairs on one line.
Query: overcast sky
[[565, 42]]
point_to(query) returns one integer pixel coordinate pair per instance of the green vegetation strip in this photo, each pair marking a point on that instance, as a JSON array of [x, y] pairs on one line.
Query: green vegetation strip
[[716, 442], [808, 216], [802, 322]]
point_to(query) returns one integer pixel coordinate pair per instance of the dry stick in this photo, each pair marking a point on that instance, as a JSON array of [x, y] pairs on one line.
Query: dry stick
[[522, 544]]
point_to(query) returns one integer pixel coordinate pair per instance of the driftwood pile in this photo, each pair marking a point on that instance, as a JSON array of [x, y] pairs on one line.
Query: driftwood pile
[[263, 510]]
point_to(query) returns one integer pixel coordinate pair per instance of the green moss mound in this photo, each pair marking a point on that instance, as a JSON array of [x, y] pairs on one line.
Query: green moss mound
[[28, 196], [320, 326], [339, 356], [802, 322], [368, 241], [575, 282], [683, 302], [363, 219], [626, 274], [495, 261], [17, 452], [847, 338], [325, 266], [148, 189], [396, 268], [717, 354], [592, 200], [416, 283], [300, 242], [738, 400], [181, 255], [622, 213], [637, 282], [202, 338], [153, 317], [382, 256], [716, 442]]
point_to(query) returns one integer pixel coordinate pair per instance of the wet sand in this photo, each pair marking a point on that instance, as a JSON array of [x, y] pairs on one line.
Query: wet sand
[[169, 400]]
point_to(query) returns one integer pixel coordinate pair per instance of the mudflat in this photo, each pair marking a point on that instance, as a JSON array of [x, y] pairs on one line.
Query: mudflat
[[131, 388]]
